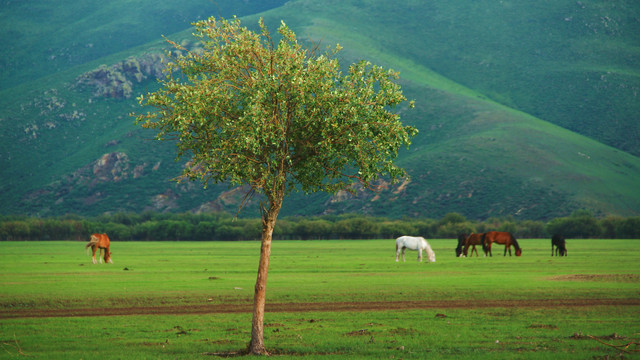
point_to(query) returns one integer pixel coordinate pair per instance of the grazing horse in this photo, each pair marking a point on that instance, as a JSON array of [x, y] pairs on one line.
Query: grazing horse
[[559, 243], [414, 243], [504, 238], [461, 239], [100, 241], [473, 240]]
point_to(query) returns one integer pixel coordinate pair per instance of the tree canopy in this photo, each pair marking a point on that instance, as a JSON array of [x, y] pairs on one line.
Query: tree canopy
[[249, 112]]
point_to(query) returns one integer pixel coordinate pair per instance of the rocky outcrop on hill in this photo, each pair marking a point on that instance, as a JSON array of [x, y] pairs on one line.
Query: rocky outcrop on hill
[[116, 81], [111, 167]]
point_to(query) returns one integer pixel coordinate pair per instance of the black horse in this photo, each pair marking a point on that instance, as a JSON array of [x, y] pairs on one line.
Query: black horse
[[461, 240], [559, 243]]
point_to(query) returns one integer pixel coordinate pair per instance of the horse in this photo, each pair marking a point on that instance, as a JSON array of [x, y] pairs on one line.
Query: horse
[[473, 240], [461, 239], [559, 243], [100, 241], [504, 238], [414, 243]]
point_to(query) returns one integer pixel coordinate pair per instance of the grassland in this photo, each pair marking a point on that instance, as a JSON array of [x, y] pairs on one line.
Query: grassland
[[325, 299]]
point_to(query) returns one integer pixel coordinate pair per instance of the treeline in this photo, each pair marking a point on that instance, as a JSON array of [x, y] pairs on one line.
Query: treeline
[[151, 226]]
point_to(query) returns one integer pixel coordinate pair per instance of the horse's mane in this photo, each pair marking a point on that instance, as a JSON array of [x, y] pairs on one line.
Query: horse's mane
[[515, 242], [484, 246], [461, 241], [430, 253]]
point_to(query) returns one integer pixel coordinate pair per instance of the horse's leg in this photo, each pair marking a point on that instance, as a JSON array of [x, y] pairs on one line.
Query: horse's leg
[[476, 250], [420, 255], [403, 249], [93, 258], [107, 256]]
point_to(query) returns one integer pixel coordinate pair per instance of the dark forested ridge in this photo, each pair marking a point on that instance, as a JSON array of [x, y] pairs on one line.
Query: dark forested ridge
[[524, 109]]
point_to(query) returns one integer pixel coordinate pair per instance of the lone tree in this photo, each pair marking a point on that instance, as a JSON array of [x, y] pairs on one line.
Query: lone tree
[[276, 117]]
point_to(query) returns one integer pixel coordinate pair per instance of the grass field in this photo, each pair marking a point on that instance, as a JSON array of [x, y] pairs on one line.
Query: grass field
[[325, 299]]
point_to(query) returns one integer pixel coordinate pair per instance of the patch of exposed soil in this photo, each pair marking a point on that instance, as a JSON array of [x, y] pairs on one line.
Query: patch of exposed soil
[[318, 306], [598, 277]]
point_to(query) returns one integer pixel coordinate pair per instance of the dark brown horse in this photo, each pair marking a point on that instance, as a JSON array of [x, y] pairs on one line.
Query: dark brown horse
[[100, 241], [473, 240], [504, 238], [559, 243], [461, 240]]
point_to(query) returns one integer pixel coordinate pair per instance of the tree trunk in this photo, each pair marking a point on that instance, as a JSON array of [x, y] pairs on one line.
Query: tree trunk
[[257, 326]]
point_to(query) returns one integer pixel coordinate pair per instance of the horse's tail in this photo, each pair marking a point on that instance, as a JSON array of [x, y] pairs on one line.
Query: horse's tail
[[92, 241]]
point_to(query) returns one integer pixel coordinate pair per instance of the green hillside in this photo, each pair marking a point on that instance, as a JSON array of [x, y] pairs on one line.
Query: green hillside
[[526, 110], [41, 37], [572, 63]]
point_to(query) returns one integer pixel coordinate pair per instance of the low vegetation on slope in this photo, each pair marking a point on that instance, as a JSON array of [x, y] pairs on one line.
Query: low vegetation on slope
[[489, 79]]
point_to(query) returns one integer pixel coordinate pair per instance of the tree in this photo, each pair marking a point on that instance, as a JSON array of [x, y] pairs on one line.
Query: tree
[[581, 224], [452, 218], [276, 117]]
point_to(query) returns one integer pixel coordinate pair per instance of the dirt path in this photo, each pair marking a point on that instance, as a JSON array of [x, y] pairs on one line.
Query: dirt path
[[319, 306]]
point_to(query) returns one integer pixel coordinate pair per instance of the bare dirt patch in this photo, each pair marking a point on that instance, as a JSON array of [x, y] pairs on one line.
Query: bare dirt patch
[[311, 307], [598, 277]]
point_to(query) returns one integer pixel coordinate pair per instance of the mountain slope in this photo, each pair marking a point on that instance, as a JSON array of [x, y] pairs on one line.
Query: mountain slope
[[64, 147], [40, 37], [573, 63]]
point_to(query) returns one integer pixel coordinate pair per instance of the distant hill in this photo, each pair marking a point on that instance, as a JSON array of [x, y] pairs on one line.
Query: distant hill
[[526, 110], [40, 37]]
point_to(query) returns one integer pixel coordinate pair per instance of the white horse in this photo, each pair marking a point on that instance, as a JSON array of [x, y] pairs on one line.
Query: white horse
[[414, 243]]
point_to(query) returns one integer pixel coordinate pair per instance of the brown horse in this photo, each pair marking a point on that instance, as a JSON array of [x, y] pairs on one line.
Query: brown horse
[[473, 240], [504, 238], [100, 241]]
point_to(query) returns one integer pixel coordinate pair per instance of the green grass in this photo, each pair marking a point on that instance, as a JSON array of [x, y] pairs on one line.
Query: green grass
[[36, 276], [414, 334], [168, 272]]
